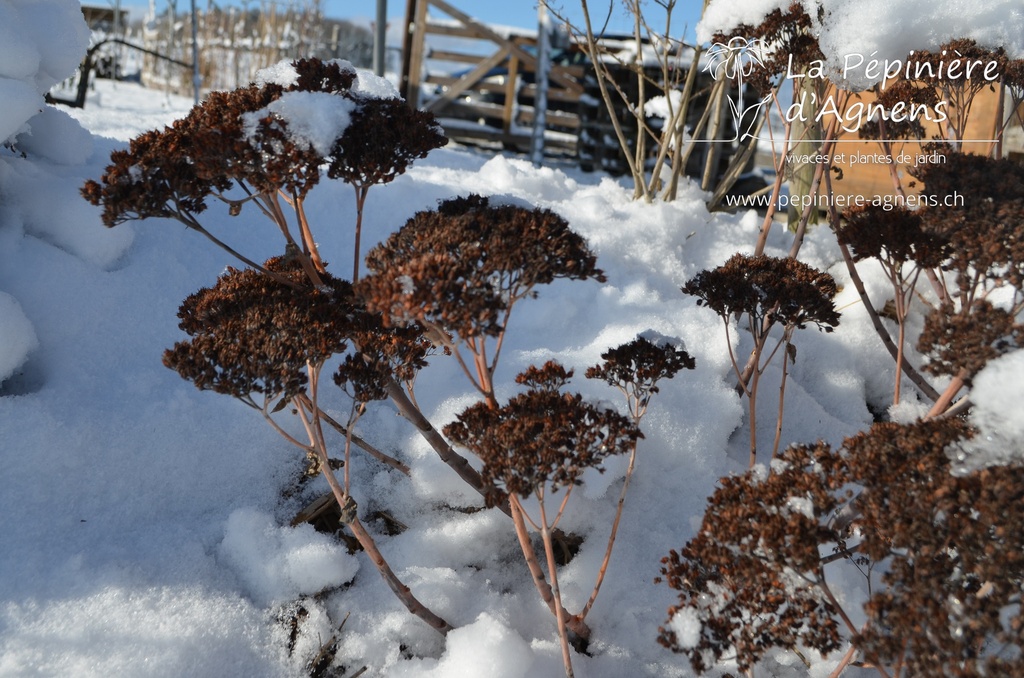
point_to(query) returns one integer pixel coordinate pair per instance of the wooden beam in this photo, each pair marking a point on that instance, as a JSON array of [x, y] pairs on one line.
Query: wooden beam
[[413, 43], [460, 57]]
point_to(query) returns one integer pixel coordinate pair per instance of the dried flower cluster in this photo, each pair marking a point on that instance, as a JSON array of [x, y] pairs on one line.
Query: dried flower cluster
[[636, 367], [232, 137], [750, 575], [964, 342], [252, 145], [894, 237], [948, 546], [251, 333], [542, 438], [985, 245], [462, 267], [897, 95], [769, 289], [951, 545]]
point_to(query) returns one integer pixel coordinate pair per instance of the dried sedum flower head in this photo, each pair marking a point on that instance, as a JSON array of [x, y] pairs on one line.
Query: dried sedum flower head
[[985, 243], [636, 367], [788, 44], [251, 333], [893, 236], [949, 64], [267, 137], [950, 604], [385, 354], [959, 341], [902, 93], [779, 290], [947, 545], [748, 577], [542, 438], [153, 178], [382, 140], [462, 267]]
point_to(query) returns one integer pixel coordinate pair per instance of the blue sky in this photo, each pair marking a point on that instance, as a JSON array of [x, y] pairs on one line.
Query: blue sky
[[520, 13]]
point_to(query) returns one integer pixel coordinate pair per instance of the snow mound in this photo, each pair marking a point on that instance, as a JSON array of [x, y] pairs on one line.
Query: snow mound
[[17, 336], [484, 648], [278, 564], [56, 136], [997, 394], [41, 43]]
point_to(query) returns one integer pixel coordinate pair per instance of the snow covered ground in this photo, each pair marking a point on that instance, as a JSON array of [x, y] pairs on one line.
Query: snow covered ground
[[144, 528], [143, 518]]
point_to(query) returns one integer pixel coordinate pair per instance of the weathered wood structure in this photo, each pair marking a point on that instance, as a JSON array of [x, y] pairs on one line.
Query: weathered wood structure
[[493, 98]]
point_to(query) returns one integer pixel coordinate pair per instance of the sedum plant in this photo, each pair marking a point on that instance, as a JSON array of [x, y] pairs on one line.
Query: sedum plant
[[266, 146], [458, 272], [938, 548], [264, 335], [904, 247], [266, 342], [769, 292], [537, 444]]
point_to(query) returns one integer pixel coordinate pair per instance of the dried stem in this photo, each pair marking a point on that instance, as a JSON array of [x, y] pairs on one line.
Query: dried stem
[[453, 459], [347, 504], [519, 519], [782, 393], [560, 613]]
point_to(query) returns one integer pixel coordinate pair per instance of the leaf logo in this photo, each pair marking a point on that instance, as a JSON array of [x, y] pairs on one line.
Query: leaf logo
[[736, 60]]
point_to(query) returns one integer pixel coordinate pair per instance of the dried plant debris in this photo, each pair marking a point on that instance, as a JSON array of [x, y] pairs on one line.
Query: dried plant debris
[[964, 342], [251, 333], [636, 367], [787, 44], [893, 236]]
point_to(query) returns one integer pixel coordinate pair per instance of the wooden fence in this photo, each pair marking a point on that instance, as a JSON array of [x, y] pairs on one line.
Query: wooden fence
[[492, 98]]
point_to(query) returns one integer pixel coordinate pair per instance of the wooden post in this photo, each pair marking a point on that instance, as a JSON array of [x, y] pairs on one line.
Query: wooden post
[[413, 44]]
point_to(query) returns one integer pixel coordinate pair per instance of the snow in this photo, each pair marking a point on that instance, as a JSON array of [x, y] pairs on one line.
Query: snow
[[17, 336], [687, 626], [145, 527], [997, 396], [315, 119], [54, 135], [280, 564], [41, 43], [367, 84]]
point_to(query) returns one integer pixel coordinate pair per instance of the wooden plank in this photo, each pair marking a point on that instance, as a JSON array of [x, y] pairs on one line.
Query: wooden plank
[[460, 57], [510, 92], [554, 93], [468, 80], [470, 133], [473, 109], [554, 118], [482, 86], [410, 13], [453, 31]]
